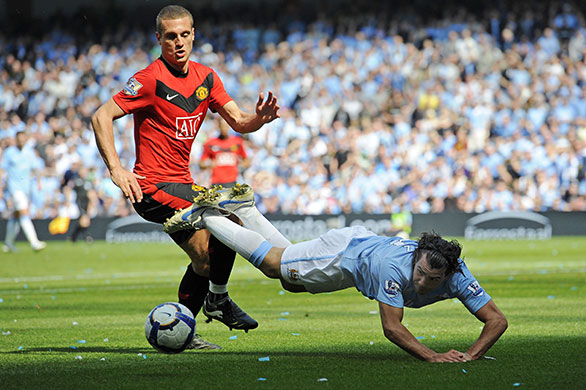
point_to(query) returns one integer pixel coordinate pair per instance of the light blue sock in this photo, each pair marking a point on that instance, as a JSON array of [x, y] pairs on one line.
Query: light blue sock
[[249, 244], [259, 254]]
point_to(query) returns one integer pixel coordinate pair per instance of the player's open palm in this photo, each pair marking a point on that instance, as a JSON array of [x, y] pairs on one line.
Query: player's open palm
[[267, 110]]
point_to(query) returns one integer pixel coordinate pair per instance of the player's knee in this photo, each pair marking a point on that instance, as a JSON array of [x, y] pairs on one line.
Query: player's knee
[[196, 247], [201, 266], [271, 265], [292, 287], [198, 254], [269, 270]]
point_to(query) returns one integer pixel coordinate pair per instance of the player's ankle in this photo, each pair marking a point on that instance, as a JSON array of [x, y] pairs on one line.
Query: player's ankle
[[213, 297]]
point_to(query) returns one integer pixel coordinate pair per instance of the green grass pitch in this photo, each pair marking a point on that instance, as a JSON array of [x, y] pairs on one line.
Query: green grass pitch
[[73, 316]]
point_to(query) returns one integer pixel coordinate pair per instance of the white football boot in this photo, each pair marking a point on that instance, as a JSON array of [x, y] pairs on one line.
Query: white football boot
[[227, 201]]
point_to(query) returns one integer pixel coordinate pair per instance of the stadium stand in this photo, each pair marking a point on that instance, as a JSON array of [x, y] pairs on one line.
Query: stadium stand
[[384, 108]]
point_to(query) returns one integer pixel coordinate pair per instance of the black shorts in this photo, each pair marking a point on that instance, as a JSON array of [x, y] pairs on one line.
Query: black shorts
[[82, 204], [164, 202]]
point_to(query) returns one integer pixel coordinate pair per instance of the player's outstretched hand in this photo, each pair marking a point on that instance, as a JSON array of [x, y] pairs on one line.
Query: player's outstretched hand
[[127, 181], [452, 356], [267, 110]]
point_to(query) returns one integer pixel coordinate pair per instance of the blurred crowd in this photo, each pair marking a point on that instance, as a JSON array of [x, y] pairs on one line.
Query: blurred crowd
[[382, 109]]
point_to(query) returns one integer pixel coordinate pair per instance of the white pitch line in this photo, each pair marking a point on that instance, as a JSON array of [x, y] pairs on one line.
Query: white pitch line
[[151, 274], [88, 276], [92, 276], [46, 291]]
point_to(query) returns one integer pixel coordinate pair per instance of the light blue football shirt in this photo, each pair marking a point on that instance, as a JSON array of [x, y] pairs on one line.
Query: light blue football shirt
[[382, 269], [18, 166]]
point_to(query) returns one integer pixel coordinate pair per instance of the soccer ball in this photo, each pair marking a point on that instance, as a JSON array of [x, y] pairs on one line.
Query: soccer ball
[[170, 327]]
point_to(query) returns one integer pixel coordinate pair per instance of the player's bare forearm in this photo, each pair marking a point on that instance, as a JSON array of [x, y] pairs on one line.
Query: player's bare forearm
[[399, 335], [495, 324], [248, 123], [244, 122]]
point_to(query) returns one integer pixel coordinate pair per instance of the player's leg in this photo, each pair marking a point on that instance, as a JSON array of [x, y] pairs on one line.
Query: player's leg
[[239, 201], [83, 222], [253, 219], [194, 284], [173, 196], [12, 229], [250, 245], [217, 304], [313, 266], [21, 205]]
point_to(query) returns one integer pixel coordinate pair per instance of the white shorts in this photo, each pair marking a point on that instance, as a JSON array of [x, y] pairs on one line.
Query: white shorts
[[20, 200], [315, 264]]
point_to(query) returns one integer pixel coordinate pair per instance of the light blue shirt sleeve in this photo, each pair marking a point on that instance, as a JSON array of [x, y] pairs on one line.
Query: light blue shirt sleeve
[[467, 289], [390, 285]]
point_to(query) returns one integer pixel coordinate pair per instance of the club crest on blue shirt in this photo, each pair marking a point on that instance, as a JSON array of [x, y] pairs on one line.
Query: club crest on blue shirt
[[132, 86], [392, 288], [475, 288], [293, 274]]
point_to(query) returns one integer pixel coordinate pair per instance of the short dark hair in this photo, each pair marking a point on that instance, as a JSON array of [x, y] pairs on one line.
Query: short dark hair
[[172, 12], [440, 253]]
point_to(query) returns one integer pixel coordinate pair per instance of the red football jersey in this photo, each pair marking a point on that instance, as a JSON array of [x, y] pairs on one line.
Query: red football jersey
[[225, 153], [169, 108]]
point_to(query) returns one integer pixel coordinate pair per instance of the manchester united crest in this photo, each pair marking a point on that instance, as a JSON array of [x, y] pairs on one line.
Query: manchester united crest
[[202, 92]]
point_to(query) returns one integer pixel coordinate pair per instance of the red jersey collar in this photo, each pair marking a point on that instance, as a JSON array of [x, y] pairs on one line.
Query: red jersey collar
[[174, 71]]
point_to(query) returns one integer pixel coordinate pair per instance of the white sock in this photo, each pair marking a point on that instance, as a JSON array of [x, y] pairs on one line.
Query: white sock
[[218, 288], [252, 219], [29, 230], [249, 244], [12, 229]]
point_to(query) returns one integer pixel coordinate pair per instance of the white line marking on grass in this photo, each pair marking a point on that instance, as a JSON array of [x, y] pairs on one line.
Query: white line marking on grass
[[92, 288], [151, 274], [117, 275]]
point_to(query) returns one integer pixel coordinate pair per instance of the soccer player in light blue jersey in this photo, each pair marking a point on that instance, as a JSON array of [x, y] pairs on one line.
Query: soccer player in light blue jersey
[[17, 165], [396, 272]]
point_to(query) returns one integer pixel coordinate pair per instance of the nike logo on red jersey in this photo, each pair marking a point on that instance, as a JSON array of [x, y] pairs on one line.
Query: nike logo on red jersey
[[188, 103]]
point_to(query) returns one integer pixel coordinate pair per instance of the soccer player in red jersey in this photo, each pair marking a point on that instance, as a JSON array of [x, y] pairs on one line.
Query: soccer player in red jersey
[[169, 100], [224, 154]]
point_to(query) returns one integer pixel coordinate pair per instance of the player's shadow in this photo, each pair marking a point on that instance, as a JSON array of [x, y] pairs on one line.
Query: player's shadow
[[358, 356], [78, 350]]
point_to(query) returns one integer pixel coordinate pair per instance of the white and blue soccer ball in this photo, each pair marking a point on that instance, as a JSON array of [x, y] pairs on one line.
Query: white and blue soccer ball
[[170, 327]]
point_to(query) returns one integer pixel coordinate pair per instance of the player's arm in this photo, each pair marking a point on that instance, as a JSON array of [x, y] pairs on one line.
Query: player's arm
[[206, 158], [398, 334], [104, 132], [495, 324], [245, 163], [243, 122]]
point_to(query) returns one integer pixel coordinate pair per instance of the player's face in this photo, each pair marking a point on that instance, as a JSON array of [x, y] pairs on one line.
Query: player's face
[[176, 42], [20, 140], [425, 278]]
